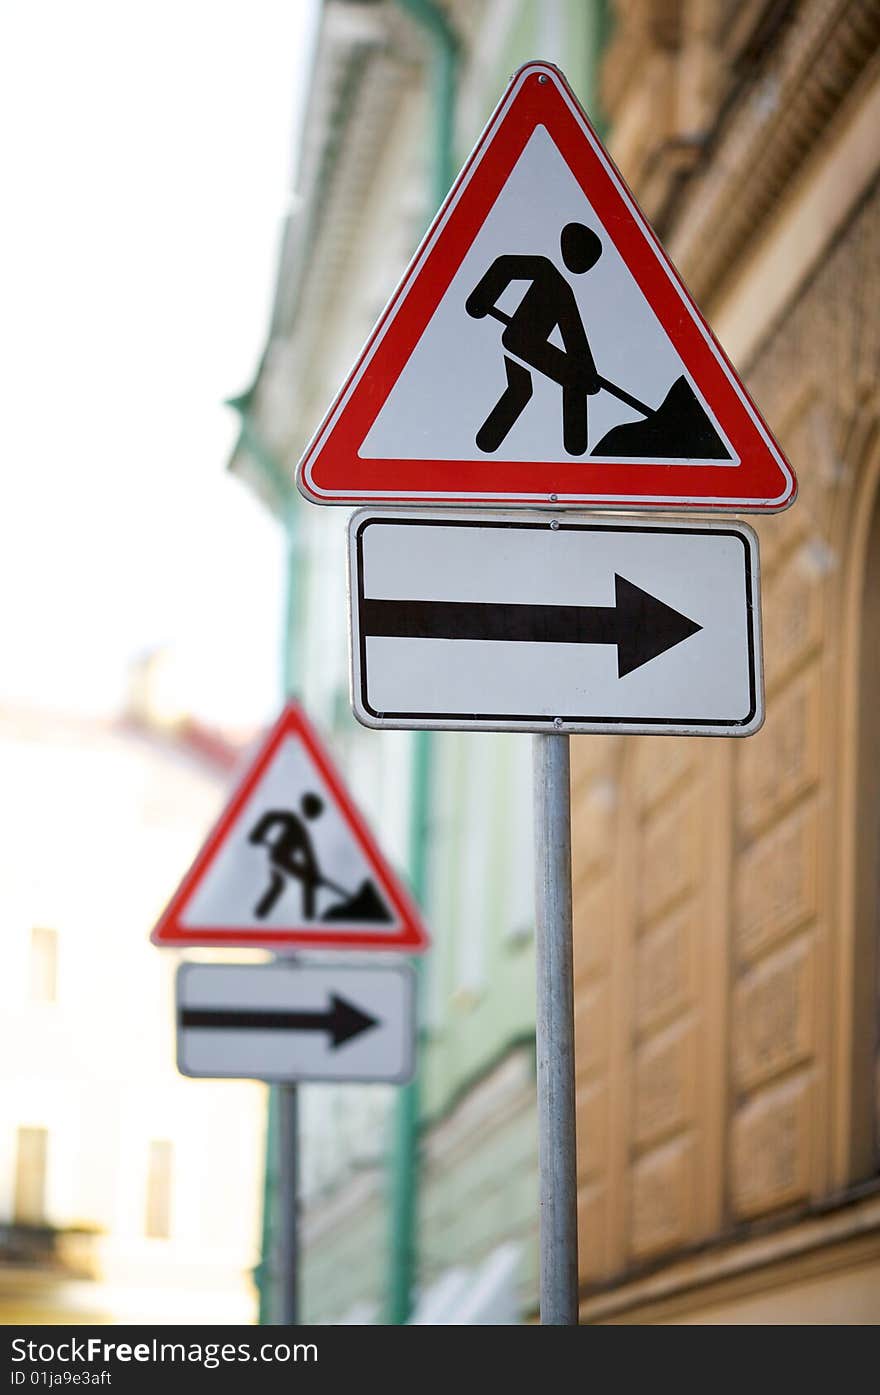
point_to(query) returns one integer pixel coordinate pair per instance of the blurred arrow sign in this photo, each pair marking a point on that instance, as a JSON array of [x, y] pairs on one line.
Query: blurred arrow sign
[[288, 1022], [341, 1021]]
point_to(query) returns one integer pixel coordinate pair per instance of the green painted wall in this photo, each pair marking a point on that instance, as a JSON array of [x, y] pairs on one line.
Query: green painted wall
[[489, 1195], [584, 28], [344, 1264], [469, 1028], [485, 1195]]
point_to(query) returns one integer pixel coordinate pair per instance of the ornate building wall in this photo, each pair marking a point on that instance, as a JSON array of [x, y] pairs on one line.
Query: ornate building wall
[[726, 900]]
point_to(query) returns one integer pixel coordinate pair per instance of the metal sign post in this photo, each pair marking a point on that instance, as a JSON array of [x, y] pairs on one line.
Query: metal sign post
[[557, 1150], [287, 1245]]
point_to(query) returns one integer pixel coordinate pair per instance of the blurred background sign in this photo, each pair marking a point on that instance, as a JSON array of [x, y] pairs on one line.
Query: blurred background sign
[[288, 1022], [292, 862]]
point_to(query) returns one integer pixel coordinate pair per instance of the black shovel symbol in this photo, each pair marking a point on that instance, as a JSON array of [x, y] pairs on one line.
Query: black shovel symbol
[[292, 858], [546, 335], [678, 429], [605, 383]]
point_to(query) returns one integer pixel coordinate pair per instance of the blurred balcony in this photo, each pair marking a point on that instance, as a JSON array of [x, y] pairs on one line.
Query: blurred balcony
[[40, 1267]]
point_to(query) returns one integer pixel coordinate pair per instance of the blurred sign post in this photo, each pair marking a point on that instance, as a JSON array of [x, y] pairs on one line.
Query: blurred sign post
[[292, 864], [285, 1023]]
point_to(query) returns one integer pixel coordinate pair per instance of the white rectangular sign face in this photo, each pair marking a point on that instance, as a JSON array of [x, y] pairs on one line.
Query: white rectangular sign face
[[530, 622], [286, 1022]]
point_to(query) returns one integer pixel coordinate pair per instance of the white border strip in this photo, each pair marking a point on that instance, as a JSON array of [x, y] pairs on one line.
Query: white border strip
[[618, 727]]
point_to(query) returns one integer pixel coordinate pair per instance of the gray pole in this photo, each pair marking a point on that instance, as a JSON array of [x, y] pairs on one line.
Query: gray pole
[[287, 1245], [557, 1153]]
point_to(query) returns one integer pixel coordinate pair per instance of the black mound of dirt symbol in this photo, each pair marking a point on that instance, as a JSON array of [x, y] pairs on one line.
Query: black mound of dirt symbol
[[366, 904], [678, 430]]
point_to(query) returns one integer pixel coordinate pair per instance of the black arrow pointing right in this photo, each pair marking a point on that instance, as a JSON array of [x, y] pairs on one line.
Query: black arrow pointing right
[[341, 1021], [641, 626]]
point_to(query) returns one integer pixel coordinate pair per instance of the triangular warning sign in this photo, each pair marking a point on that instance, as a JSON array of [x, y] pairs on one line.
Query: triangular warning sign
[[291, 861], [542, 349]]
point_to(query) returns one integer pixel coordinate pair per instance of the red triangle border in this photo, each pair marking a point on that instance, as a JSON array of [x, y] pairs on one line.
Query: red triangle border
[[332, 472], [410, 936]]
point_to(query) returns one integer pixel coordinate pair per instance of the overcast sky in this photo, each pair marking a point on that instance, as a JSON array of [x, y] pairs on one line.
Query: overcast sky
[[148, 153]]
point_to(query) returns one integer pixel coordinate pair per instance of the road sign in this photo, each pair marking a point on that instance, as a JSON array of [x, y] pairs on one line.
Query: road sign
[[287, 1022], [291, 861], [527, 622], [541, 348]]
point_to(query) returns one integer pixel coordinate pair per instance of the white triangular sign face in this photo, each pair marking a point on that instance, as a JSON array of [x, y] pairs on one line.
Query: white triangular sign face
[[628, 344], [292, 862], [541, 348]]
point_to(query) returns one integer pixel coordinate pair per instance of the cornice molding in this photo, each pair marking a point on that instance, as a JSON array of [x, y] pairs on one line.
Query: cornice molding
[[712, 121], [766, 137], [804, 229], [845, 1237]]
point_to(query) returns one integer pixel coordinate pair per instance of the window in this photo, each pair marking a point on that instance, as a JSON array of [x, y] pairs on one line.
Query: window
[[158, 1218], [44, 965], [29, 1204]]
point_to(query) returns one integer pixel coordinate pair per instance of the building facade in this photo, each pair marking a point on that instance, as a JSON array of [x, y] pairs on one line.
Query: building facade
[[726, 916], [726, 892]]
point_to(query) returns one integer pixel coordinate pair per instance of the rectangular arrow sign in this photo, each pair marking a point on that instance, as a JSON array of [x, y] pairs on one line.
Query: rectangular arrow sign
[[286, 1022], [530, 622]]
